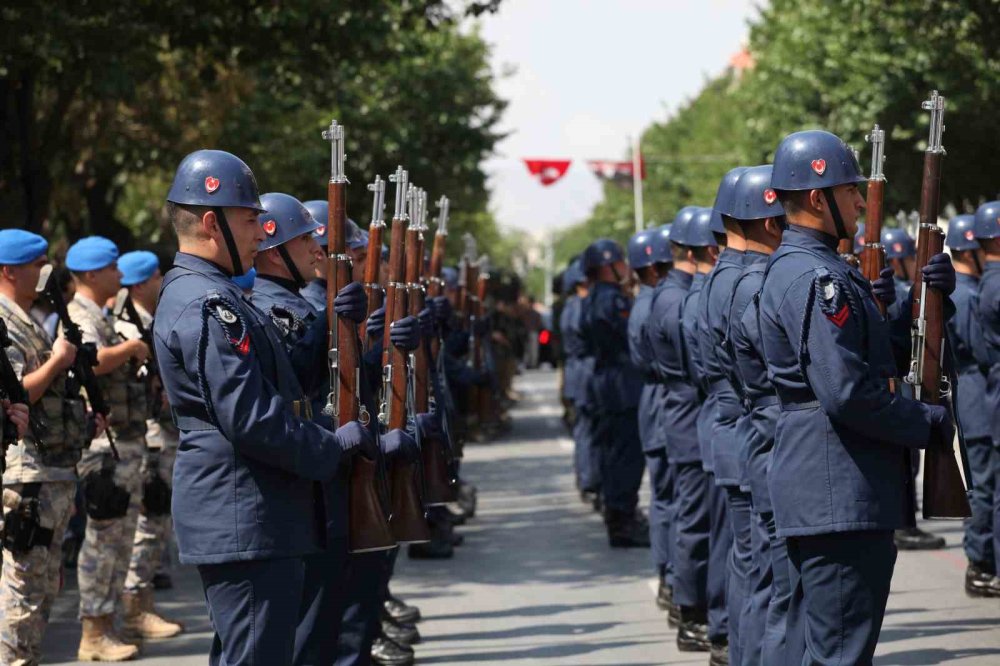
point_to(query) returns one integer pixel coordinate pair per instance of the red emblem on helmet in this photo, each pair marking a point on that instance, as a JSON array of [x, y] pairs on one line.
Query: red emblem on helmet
[[211, 184], [270, 227], [969, 235], [819, 166], [649, 249], [321, 231], [770, 196], [897, 247]]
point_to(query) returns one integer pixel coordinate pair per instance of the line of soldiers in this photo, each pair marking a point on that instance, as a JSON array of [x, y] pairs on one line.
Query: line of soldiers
[[207, 415], [752, 371]]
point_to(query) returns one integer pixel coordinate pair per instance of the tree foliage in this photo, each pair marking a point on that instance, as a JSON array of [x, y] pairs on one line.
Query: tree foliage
[[840, 65], [101, 100]]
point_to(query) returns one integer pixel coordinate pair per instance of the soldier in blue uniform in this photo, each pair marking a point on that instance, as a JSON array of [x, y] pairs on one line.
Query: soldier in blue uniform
[[354, 239], [731, 507], [649, 256], [987, 349], [579, 372], [678, 411], [616, 384], [762, 618], [964, 334], [839, 479], [245, 509]]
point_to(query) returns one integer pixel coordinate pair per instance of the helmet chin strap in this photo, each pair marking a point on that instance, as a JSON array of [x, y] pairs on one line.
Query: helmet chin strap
[[975, 260], [838, 221], [902, 268], [227, 234], [290, 265]]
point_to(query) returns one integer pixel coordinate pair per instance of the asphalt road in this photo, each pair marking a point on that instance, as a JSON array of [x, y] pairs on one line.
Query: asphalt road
[[536, 583]]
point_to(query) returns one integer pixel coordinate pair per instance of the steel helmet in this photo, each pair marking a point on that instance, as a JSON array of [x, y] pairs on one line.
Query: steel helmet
[[601, 252], [572, 276], [962, 233], [988, 220], [661, 245], [753, 198], [681, 224], [898, 244], [640, 249], [700, 233], [286, 218], [450, 276], [814, 160], [354, 237], [216, 179], [725, 196]]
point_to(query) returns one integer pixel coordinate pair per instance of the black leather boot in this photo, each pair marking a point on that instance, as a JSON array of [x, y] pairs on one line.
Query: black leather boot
[[386, 652], [692, 632], [400, 611], [914, 538], [979, 581]]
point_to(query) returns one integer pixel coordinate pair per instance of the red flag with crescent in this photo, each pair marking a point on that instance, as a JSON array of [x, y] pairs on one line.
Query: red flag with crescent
[[547, 171]]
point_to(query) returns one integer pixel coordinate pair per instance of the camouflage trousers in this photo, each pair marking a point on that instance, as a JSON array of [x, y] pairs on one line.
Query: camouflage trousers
[[152, 533], [30, 580], [107, 544]]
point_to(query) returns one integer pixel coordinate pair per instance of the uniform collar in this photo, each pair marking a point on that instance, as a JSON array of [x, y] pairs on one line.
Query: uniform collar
[[204, 267], [965, 277], [89, 305], [677, 276], [991, 266], [290, 285], [731, 256], [698, 279], [751, 257], [809, 238], [15, 309]]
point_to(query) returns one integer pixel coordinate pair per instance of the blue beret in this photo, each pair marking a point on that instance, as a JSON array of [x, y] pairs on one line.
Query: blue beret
[[91, 254], [137, 267], [18, 246], [245, 281]]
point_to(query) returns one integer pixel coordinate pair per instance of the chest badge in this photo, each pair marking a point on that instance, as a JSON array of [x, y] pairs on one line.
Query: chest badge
[[226, 315]]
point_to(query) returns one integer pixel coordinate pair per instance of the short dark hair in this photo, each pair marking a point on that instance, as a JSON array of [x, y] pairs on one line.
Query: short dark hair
[[679, 252], [792, 200], [701, 254], [185, 218]]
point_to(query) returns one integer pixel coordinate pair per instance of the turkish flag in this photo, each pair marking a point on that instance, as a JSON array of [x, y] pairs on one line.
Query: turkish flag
[[547, 171]]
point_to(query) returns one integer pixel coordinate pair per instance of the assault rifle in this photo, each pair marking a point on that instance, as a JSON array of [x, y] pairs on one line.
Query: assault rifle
[[944, 491], [148, 371], [368, 528], [81, 374], [873, 253], [407, 518]]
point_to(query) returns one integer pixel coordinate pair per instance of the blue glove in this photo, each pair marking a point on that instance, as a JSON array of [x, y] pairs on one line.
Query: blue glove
[[376, 323], [429, 424], [940, 274], [441, 307], [398, 444], [405, 333], [884, 287], [355, 439], [942, 435], [425, 318], [350, 303]]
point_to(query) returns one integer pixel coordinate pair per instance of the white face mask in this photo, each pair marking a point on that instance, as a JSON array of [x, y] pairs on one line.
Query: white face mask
[[43, 278]]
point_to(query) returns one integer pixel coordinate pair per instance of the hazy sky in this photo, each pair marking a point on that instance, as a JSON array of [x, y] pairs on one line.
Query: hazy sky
[[588, 74]]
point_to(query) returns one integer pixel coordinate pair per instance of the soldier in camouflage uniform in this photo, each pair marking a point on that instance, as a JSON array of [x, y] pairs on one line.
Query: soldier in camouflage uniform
[[40, 479], [111, 520], [141, 276]]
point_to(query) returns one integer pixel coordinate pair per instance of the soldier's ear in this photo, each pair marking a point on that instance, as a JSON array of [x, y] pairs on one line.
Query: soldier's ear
[[816, 202]]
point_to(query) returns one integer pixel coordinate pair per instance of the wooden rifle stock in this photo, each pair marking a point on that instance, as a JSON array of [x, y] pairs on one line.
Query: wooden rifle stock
[[873, 254], [845, 248], [407, 519], [944, 492], [484, 407], [368, 526]]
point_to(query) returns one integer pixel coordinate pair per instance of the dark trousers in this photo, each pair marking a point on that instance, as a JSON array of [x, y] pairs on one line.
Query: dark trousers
[[740, 564], [720, 544], [254, 609], [622, 461], [773, 648], [661, 483], [840, 585], [586, 455], [367, 576], [753, 617], [980, 539], [691, 535], [323, 600]]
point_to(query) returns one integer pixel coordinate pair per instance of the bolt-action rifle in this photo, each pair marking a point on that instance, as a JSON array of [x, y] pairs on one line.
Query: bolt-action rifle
[[407, 520], [873, 253], [435, 284], [373, 264], [485, 405], [81, 375], [944, 491], [368, 528]]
